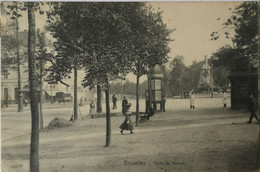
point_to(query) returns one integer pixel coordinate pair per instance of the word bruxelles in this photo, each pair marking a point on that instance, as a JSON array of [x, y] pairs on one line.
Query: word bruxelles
[[156, 163], [134, 162]]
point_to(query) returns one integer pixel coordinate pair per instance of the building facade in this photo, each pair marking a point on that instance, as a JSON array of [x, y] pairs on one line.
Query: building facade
[[9, 80]]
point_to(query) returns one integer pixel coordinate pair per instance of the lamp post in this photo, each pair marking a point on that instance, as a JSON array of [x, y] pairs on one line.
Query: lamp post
[[20, 92]]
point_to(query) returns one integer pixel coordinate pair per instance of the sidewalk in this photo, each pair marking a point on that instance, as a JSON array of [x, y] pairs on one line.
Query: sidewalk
[[14, 107]]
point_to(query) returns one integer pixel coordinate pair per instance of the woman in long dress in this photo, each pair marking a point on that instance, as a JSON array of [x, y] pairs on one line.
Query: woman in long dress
[[192, 100], [127, 124]]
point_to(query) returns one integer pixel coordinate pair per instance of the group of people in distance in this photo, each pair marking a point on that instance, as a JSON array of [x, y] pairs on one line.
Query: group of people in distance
[[128, 125], [252, 105]]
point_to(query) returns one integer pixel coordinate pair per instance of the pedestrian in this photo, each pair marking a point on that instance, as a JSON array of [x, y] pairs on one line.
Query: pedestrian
[[92, 109], [127, 124], [150, 113], [252, 107], [192, 100], [114, 99], [163, 103], [81, 101], [124, 103], [224, 99], [6, 100], [25, 102]]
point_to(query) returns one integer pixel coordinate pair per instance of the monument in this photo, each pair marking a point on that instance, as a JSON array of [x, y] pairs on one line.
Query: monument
[[206, 83]]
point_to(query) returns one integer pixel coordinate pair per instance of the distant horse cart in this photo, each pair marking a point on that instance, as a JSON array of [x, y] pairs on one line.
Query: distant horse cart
[[63, 97]]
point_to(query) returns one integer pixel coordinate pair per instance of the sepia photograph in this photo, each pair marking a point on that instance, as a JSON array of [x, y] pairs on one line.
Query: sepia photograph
[[137, 86]]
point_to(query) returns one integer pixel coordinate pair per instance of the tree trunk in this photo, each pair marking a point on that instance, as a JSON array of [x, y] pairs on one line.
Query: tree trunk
[[20, 92], [149, 89], [34, 147], [99, 103], [75, 91], [108, 129], [41, 114], [259, 80], [137, 100]]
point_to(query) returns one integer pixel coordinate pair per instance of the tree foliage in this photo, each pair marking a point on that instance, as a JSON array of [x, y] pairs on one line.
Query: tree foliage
[[176, 74], [181, 78], [15, 9], [8, 45], [102, 38], [244, 49], [96, 33], [150, 40]]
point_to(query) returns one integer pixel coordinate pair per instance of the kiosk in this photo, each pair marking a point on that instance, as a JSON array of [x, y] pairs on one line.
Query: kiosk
[[153, 95]]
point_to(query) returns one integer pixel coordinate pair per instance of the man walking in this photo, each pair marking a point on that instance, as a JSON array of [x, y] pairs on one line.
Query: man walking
[[114, 99], [252, 106]]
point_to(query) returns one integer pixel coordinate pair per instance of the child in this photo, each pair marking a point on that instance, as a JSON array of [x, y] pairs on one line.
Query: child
[[92, 109]]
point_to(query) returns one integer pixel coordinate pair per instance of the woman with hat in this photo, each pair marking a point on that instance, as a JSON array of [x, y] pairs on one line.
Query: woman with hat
[[127, 124]]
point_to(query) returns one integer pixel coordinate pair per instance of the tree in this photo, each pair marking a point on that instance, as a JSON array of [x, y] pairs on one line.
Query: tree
[[242, 54], [220, 75], [42, 57], [192, 75], [176, 73], [8, 41], [129, 88], [15, 15], [68, 45], [99, 99], [150, 38], [115, 88], [258, 74], [97, 35], [244, 48], [108, 51], [34, 151], [31, 7], [8, 46]]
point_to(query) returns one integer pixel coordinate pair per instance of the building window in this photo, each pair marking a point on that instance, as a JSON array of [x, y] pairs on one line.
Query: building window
[[5, 73]]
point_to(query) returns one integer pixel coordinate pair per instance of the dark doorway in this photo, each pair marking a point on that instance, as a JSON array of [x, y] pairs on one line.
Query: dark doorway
[[16, 94], [6, 97]]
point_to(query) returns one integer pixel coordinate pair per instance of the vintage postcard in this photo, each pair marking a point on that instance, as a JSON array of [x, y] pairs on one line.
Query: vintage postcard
[[129, 86]]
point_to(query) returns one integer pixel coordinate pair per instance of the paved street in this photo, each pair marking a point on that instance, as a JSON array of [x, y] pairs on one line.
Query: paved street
[[209, 138]]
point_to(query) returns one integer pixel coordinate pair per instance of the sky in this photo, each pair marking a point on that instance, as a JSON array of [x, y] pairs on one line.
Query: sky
[[193, 21]]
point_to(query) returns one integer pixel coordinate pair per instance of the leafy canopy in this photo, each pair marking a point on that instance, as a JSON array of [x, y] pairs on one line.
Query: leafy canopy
[[244, 48]]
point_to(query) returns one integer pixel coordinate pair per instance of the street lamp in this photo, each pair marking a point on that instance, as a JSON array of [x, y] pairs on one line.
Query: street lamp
[[20, 92]]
